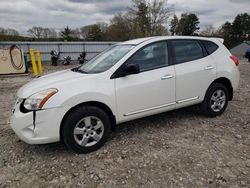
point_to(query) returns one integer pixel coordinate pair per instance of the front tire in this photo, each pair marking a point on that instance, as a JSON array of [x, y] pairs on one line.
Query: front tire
[[216, 100], [86, 129]]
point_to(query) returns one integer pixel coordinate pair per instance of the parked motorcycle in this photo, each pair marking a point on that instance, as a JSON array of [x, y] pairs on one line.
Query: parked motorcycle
[[54, 57], [66, 60], [81, 58]]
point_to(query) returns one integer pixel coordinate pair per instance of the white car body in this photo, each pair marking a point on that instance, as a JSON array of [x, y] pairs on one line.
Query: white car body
[[129, 97]]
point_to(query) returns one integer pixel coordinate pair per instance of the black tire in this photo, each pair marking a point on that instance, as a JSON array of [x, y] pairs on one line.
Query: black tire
[[206, 106], [72, 121]]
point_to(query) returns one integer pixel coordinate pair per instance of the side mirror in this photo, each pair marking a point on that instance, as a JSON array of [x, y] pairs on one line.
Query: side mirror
[[131, 69]]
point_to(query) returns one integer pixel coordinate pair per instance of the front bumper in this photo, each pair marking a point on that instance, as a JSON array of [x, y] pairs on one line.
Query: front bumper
[[47, 125]]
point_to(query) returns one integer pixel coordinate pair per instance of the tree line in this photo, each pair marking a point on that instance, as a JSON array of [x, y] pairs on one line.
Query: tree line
[[143, 18], [233, 33]]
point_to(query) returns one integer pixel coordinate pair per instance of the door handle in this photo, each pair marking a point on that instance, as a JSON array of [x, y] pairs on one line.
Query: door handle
[[209, 67], [167, 76]]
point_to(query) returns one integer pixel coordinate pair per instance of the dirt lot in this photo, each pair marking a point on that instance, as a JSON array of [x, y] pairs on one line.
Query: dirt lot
[[175, 149]]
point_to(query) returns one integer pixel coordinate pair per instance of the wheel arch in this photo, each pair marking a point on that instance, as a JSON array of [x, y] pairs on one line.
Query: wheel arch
[[100, 105], [227, 83]]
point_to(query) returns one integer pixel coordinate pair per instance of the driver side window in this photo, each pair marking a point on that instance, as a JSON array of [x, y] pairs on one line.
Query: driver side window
[[151, 57]]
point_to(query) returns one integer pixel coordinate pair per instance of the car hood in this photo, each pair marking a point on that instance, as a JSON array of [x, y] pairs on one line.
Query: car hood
[[53, 80]]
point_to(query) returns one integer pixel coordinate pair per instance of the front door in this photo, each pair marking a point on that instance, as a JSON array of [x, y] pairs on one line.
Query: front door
[[152, 90]]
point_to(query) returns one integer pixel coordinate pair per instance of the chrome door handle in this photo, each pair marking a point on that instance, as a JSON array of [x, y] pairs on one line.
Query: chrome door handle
[[209, 67], [168, 76]]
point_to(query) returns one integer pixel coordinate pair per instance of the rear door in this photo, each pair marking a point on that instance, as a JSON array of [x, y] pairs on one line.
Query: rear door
[[195, 71]]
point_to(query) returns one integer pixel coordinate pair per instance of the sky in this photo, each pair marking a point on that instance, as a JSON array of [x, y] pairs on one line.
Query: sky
[[23, 14]]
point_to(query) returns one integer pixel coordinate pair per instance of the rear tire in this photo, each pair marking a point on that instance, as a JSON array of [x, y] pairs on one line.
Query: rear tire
[[86, 129], [216, 100]]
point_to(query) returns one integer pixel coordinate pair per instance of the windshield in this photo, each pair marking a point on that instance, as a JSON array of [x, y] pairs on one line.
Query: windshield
[[106, 59]]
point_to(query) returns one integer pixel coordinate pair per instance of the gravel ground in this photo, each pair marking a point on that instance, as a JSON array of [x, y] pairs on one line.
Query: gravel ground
[[175, 149]]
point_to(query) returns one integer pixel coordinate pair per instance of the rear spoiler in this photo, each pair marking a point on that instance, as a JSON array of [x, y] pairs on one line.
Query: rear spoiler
[[219, 39]]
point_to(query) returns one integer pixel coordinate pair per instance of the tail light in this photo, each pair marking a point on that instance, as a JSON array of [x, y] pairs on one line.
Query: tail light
[[235, 60]]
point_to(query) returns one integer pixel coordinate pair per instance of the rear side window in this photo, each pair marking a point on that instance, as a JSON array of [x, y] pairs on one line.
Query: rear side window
[[186, 50], [210, 46]]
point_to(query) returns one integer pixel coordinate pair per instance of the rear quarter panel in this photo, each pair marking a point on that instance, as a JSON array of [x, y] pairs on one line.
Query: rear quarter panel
[[225, 66]]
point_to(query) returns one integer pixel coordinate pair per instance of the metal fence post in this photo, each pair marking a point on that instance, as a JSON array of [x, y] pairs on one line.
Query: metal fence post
[[33, 61], [39, 62]]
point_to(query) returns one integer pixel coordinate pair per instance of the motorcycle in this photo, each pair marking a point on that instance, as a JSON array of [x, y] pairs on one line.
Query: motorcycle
[[82, 57], [54, 57], [66, 60]]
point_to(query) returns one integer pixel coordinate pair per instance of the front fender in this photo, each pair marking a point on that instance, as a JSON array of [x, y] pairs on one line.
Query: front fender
[[90, 97]]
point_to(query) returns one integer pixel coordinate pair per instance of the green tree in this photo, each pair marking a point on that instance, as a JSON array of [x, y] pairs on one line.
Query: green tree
[[159, 12], [35, 32], [76, 34], [120, 28], [8, 34], [2, 30], [241, 26], [42, 33], [8, 31], [188, 25], [66, 34], [49, 33], [142, 18], [173, 25], [94, 33], [209, 31], [138, 14], [149, 17], [84, 31], [236, 32], [225, 32]]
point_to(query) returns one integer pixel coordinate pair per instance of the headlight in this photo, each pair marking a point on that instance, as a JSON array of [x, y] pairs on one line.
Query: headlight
[[37, 100]]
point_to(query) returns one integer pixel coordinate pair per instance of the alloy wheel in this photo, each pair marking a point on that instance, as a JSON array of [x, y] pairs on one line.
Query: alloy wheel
[[218, 100], [88, 131]]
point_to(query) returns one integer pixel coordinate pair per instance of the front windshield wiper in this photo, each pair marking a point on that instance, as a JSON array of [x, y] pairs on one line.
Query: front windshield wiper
[[81, 71], [77, 69]]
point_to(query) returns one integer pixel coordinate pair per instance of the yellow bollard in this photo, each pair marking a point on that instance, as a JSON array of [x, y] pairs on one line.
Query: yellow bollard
[[39, 62], [33, 62]]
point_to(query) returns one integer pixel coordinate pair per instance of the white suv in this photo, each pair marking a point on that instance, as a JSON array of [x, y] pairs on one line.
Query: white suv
[[128, 81]]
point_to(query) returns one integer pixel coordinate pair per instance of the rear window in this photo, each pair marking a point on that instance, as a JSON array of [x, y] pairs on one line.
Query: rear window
[[187, 50], [210, 46]]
